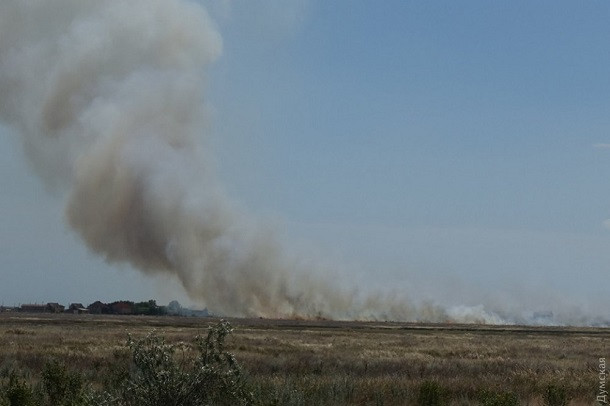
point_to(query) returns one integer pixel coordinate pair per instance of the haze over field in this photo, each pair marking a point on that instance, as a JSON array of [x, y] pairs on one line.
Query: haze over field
[[442, 163]]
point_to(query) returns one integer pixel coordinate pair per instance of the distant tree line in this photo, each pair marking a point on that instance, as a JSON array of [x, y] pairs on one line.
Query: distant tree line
[[121, 307], [149, 308]]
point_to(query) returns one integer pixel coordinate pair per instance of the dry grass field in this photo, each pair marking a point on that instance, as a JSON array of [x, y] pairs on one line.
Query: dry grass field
[[297, 362]]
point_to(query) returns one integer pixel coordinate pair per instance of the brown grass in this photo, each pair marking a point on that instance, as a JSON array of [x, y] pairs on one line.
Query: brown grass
[[326, 362]]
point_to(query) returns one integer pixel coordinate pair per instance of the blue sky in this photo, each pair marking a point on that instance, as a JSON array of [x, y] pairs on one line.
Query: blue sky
[[471, 115], [451, 150], [437, 144]]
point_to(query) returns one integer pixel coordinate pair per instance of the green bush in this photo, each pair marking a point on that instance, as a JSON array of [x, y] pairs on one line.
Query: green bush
[[156, 376], [555, 395], [431, 394], [160, 378], [489, 398], [61, 386], [58, 387], [17, 392]]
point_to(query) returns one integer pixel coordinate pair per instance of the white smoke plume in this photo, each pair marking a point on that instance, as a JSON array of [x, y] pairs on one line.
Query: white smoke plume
[[108, 98]]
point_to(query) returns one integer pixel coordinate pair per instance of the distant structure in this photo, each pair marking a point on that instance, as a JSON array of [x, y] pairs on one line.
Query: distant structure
[[39, 308], [77, 308], [122, 307], [98, 307], [33, 308], [55, 308]]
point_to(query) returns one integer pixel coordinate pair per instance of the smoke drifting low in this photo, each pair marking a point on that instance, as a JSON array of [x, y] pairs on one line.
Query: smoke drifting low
[[108, 97]]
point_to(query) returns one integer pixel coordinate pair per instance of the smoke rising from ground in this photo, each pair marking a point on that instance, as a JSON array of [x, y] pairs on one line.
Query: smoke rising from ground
[[109, 100]]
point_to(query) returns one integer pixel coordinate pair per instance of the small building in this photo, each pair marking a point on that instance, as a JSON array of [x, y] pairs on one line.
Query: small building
[[55, 308], [33, 308], [98, 307], [77, 308], [122, 307]]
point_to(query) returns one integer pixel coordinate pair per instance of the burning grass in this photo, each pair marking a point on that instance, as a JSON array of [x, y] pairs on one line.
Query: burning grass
[[334, 363]]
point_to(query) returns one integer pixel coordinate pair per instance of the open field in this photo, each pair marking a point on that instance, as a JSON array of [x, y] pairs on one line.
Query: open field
[[334, 363]]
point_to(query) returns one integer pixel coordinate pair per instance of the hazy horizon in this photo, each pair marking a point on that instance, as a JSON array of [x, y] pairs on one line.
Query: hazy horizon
[[451, 155]]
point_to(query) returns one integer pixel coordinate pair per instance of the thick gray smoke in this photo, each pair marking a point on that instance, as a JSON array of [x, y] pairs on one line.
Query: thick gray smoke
[[108, 97]]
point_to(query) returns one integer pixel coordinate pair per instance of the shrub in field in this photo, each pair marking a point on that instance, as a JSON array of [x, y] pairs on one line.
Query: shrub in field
[[17, 392], [61, 386], [58, 387], [160, 378], [431, 394], [489, 398], [555, 395]]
